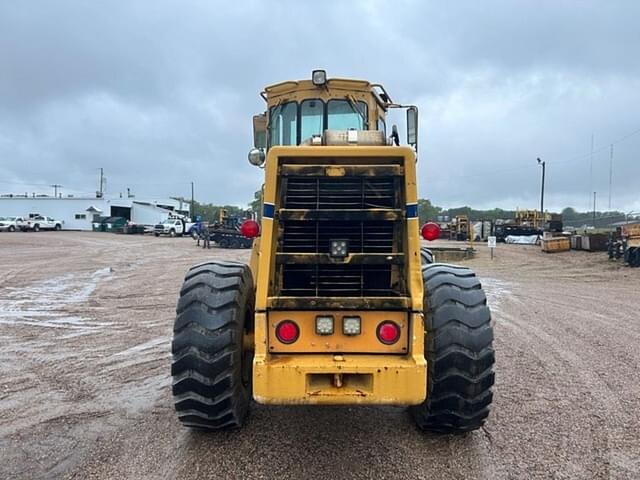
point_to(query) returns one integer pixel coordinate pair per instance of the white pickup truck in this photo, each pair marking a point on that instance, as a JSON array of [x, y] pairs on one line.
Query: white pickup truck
[[40, 222], [171, 227], [10, 224]]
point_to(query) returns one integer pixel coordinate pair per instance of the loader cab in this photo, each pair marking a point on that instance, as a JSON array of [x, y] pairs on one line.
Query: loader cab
[[300, 112]]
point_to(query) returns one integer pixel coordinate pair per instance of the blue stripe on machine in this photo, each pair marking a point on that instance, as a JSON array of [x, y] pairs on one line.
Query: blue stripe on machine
[[412, 210], [268, 210]]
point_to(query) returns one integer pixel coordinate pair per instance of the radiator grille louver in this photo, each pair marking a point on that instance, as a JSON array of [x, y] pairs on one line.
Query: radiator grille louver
[[315, 236], [337, 280], [347, 193]]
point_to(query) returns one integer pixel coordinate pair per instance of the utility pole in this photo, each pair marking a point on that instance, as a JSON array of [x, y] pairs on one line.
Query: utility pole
[[591, 167], [55, 189], [191, 210], [594, 209], [610, 175], [101, 180], [540, 162]]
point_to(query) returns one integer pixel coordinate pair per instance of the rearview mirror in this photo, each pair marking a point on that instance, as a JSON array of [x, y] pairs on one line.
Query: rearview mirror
[[260, 130], [412, 126]]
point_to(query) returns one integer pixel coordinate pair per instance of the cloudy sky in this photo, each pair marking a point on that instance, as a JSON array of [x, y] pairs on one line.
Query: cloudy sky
[[160, 93]]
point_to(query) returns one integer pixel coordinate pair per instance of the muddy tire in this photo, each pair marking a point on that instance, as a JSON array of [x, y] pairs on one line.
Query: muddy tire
[[426, 256], [458, 347], [211, 371]]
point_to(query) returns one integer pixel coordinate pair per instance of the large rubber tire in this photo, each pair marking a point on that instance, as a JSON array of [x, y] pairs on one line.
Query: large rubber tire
[[36, 228], [211, 370], [235, 243], [172, 233], [12, 228], [58, 227], [223, 243], [426, 256], [458, 347]]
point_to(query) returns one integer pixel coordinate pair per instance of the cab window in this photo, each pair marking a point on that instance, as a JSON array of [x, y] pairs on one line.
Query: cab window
[[283, 124], [343, 115], [311, 118]]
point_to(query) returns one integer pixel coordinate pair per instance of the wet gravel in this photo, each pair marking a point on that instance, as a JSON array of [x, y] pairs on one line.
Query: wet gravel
[[85, 325]]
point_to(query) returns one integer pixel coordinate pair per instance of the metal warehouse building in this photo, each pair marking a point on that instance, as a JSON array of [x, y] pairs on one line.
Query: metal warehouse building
[[78, 213]]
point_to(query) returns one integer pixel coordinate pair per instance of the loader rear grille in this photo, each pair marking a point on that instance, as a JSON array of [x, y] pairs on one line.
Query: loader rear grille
[[365, 236]]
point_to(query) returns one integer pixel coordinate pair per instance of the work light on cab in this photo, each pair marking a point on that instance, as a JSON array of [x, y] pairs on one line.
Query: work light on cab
[[287, 331], [250, 229], [430, 231]]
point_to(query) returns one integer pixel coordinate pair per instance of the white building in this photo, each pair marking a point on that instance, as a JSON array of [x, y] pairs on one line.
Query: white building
[[78, 213]]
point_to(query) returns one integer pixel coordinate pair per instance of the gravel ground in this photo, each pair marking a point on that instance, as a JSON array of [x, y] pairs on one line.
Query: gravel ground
[[85, 326]]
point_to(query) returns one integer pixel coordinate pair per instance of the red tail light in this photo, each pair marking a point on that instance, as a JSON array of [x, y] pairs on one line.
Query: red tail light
[[431, 231], [250, 229], [388, 332], [287, 331]]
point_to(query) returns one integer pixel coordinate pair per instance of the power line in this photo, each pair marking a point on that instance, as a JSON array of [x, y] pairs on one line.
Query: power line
[[591, 172]]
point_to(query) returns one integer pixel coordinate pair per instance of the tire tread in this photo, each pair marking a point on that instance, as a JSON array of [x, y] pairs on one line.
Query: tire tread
[[207, 346], [460, 355]]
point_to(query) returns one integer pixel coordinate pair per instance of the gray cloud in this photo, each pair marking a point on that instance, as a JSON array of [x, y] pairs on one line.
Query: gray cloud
[[161, 93]]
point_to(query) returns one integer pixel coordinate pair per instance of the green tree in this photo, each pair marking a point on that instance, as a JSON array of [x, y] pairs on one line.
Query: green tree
[[569, 213], [427, 212]]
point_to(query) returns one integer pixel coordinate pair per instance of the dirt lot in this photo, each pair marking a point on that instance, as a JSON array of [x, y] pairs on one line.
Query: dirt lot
[[85, 325]]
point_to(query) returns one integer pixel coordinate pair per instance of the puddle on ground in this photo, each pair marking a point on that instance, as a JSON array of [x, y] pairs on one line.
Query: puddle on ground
[[43, 303], [143, 347], [496, 290]]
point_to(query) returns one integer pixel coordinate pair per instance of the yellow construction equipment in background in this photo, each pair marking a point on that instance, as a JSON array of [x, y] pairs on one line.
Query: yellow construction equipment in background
[[461, 230], [339, 305]]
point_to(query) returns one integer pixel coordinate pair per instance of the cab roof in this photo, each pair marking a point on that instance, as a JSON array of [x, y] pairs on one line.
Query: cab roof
[[291, 87]]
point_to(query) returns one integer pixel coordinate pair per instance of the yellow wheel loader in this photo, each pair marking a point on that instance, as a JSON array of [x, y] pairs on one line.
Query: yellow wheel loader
[[341, 305]]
